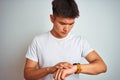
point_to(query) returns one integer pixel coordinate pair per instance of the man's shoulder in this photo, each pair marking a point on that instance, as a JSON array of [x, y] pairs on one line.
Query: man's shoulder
[[41, 36], [77, 37]]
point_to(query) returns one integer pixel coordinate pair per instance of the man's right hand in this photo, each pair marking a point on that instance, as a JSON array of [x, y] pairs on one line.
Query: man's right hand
[[60, 67]]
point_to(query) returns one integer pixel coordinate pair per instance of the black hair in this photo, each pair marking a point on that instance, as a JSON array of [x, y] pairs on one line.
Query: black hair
[[65, 8]]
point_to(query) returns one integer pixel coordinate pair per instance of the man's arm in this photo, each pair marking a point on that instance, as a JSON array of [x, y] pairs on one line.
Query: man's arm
[[31, 72], [96, 64]]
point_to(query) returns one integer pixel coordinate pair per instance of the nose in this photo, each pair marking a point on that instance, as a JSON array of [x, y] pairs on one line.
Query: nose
[[66, 28]]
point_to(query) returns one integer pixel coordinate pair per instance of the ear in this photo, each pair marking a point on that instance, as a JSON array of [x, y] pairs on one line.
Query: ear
[[52, 18]]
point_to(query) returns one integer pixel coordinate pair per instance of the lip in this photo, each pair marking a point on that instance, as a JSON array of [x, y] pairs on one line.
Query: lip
[[64, 33]]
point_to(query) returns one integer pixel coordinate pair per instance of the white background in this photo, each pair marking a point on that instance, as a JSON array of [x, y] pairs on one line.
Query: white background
[[21, 20]]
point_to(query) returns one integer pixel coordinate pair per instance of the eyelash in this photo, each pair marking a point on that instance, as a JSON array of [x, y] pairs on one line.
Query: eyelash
[[65, 24]]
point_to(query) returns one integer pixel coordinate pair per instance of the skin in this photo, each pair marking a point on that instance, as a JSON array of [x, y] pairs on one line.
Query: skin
[[61, 27], [96, 66]]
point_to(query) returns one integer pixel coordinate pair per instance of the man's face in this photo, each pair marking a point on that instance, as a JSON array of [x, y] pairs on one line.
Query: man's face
[[61, 26]]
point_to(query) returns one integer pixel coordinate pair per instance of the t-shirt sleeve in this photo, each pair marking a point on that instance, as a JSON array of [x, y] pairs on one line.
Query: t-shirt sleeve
[[86, 48], [32, 51]]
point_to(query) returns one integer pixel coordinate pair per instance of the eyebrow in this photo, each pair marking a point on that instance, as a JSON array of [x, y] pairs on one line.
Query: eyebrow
[[66, 23]]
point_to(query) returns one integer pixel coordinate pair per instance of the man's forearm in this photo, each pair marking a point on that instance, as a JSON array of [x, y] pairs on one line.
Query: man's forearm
[[33, 74], [93, 68]]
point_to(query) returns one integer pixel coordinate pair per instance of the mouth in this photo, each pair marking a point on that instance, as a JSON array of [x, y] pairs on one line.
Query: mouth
[[64, 33]]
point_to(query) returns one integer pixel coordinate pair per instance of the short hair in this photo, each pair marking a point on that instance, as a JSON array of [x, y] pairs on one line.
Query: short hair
[[65, 8]]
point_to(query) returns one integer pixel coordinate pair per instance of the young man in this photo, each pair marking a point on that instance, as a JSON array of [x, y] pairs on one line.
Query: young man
[[56, 54]]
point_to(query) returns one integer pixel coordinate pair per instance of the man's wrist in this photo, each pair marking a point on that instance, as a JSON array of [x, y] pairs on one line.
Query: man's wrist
[[75, 68], [51, 70]]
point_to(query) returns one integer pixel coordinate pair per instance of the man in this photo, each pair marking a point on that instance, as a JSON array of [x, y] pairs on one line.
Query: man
[[56, 54]]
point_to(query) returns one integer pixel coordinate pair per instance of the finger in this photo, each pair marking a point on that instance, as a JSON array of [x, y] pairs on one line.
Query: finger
[[63, 65], [56, 74], [59, 75], [63, 75], [67, 65], [59, 66]]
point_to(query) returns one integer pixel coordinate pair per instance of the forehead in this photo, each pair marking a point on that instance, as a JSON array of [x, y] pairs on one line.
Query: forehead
[[65, 20]]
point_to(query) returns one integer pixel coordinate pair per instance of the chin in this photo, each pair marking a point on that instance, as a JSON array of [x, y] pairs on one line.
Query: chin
[[62, 36]]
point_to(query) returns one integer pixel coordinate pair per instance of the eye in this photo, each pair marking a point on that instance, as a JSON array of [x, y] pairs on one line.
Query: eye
[[62, 23], [71, 24]]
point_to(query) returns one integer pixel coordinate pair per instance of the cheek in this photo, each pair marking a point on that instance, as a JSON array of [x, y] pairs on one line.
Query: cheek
[[59, 27]]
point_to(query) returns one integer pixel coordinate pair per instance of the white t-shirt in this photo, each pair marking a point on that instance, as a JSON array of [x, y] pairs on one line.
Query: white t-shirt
[[48, 51]]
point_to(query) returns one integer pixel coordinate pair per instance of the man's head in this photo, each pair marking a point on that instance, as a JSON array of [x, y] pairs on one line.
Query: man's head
[[65, 8], [63, 18]]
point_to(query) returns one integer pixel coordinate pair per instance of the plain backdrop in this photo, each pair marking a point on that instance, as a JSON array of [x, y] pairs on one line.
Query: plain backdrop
[[21, 20]]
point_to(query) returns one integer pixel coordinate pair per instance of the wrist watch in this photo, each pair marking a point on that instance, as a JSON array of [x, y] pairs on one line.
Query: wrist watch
[[78, 68]]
